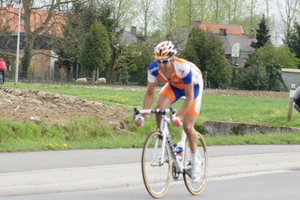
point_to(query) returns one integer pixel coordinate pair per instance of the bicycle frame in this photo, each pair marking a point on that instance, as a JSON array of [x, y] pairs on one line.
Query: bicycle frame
[[163, 128]]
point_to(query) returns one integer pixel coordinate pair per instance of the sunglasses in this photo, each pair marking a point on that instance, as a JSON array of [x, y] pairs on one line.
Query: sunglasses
[[164, 61]]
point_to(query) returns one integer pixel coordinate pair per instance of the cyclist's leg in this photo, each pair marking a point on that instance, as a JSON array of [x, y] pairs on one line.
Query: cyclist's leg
[[165, 98], [188, 126], [190, 118]]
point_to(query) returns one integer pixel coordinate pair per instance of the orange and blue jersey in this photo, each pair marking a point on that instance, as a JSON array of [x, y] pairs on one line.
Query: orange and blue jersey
[[184, 72]]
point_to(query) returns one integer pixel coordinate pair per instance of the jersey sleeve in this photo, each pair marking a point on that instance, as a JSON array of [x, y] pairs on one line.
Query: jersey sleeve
[[186, 73], [187, 79], [152, 71]]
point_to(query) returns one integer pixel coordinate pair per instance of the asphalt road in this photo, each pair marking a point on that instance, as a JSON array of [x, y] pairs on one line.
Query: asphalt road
[[29, 173], [273, 186]]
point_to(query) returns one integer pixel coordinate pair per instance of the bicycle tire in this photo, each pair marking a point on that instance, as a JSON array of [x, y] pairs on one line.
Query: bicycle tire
[[156, 177], [197, 187]]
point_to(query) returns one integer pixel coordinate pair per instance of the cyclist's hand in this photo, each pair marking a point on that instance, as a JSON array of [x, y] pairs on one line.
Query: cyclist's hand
[[177, 121], [139, 121]]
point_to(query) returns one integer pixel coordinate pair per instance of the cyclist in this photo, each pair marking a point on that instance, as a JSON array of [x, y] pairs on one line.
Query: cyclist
[[2, 70], [296, 99], [182, 78]]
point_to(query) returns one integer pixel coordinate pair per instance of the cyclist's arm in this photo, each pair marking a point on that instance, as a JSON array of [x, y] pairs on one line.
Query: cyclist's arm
[[189, 93], [149, 96]]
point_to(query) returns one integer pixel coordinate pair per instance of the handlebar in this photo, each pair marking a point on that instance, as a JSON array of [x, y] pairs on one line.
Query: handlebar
[[155, 111]]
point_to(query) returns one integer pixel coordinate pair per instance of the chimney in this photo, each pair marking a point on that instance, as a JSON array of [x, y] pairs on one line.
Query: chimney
[[10, 6], [197, 24], [252, 35], [133, 30], [223, 32]]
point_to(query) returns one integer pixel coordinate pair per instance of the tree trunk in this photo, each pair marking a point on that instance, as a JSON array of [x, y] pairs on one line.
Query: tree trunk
[[26, 59], [110, 74]]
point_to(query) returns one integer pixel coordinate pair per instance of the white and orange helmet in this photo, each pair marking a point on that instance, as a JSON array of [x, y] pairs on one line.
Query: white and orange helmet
[[164, 50]]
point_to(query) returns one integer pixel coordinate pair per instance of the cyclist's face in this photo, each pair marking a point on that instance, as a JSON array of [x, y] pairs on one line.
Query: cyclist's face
[[165, 65]]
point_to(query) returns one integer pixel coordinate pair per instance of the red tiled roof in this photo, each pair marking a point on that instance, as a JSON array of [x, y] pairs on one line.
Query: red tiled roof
[[9, 16], [215, 28]]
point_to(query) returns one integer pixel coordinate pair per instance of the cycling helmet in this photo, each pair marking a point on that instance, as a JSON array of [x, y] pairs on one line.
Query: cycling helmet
[[164, 50]]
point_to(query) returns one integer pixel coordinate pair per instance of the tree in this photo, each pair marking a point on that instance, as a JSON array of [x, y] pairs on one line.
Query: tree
[[262, 34], [78, 21], [233, 10], [264, 68], [275, 81], [205, 49], [148, 12], [217, 11], [95, 51], [251, 8], [68, 47], [122, 12], [144, 57], [294, 41], [46, 24], [288, 10], [271, 54]]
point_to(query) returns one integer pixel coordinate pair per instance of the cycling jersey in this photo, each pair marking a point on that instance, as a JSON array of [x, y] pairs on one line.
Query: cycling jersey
[[184, 72]]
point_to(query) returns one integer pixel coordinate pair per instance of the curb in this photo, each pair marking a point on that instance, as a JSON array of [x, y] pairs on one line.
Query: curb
[[219, 128]]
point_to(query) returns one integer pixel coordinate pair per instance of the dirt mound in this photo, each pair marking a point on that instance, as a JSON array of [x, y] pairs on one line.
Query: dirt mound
[[22, 105]]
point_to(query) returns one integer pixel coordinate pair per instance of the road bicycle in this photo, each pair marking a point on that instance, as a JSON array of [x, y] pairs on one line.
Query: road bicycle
[[160, 158]]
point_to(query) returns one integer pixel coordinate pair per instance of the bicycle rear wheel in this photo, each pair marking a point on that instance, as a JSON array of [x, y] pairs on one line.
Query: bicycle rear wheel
[[156, 176], [197, 187]]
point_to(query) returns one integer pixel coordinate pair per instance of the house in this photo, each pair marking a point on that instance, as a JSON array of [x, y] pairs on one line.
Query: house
[[128, 37], [42, 66], [231, 34], [40, 63]]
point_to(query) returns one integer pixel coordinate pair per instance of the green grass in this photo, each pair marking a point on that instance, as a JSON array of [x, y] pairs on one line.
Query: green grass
[[89, 133]]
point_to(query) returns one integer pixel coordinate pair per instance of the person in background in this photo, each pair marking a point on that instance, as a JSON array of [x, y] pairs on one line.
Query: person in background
[[2, 71]]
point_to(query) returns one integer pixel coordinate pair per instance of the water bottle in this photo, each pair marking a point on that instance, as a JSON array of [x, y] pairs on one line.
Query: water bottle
[[179, 148]]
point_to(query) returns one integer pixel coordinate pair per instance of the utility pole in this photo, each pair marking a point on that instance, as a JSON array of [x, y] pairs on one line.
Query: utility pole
[[18, 46]]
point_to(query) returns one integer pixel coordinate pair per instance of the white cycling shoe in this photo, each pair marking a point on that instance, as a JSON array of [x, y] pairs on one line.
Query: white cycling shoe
[[196, 172]]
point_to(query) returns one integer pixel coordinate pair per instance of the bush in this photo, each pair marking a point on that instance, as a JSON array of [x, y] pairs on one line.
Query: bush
[[252, 78]]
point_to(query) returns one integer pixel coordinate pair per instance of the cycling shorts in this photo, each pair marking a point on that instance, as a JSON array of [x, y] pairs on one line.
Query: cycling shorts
[[174, 94]]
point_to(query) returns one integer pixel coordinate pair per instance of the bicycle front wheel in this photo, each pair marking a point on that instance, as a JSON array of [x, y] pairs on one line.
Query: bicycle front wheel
[[156, 167], [197, 187]]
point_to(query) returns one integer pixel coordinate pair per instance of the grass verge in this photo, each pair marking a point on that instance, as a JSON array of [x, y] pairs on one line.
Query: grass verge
[[89, 133]]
